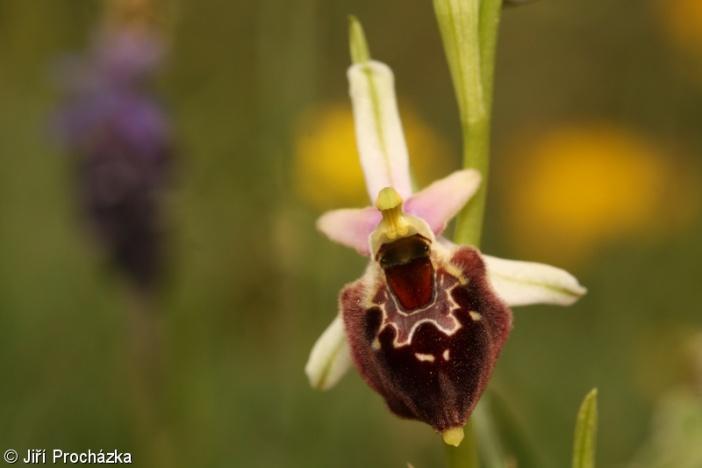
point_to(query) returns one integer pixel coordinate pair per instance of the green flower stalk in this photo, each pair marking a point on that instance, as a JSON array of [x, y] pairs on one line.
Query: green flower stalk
[[469, 32]]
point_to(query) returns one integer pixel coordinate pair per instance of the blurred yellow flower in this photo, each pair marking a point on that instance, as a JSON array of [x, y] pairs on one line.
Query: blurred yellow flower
[[327, 172], [577, 188], [682, 20]]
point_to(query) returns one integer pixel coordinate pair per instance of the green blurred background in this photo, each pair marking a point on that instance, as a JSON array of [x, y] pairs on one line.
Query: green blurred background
[[596, 167]]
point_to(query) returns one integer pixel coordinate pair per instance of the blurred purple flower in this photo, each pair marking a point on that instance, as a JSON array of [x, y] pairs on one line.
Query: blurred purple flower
[[119, 137]]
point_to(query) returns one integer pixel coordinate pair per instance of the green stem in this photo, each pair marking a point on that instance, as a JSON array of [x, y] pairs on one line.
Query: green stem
[[146, 366], [491, 449], [476, 155], [469, 32]]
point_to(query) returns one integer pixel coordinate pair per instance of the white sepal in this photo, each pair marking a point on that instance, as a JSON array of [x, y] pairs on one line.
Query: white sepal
[[330, 357], [379, 136], [523, 283]]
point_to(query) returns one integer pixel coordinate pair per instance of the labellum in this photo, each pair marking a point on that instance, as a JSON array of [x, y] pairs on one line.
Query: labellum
[[423, 323]]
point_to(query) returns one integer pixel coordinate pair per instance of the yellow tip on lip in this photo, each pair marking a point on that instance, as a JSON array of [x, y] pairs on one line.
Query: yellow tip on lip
[[453, 436]]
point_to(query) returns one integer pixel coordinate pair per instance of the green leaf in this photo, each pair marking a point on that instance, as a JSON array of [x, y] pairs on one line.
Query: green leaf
[[459, 26], [469, 33], [488, 438], [586, 432]]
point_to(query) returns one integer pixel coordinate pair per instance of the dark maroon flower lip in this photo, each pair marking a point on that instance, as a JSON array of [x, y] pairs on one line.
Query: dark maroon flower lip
[[434, 367]]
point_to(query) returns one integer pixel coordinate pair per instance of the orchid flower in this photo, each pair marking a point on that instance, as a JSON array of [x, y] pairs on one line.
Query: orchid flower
[[426, 322]]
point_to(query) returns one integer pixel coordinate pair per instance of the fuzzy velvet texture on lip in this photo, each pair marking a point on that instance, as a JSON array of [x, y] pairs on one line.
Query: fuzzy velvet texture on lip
[[438, 371]]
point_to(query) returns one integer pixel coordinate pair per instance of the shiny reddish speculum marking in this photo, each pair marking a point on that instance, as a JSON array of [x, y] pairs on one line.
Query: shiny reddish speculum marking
[[409, 271]]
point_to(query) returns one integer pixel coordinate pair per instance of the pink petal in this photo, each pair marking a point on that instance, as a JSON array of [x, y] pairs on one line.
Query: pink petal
[[350, 227], [442, 200]]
